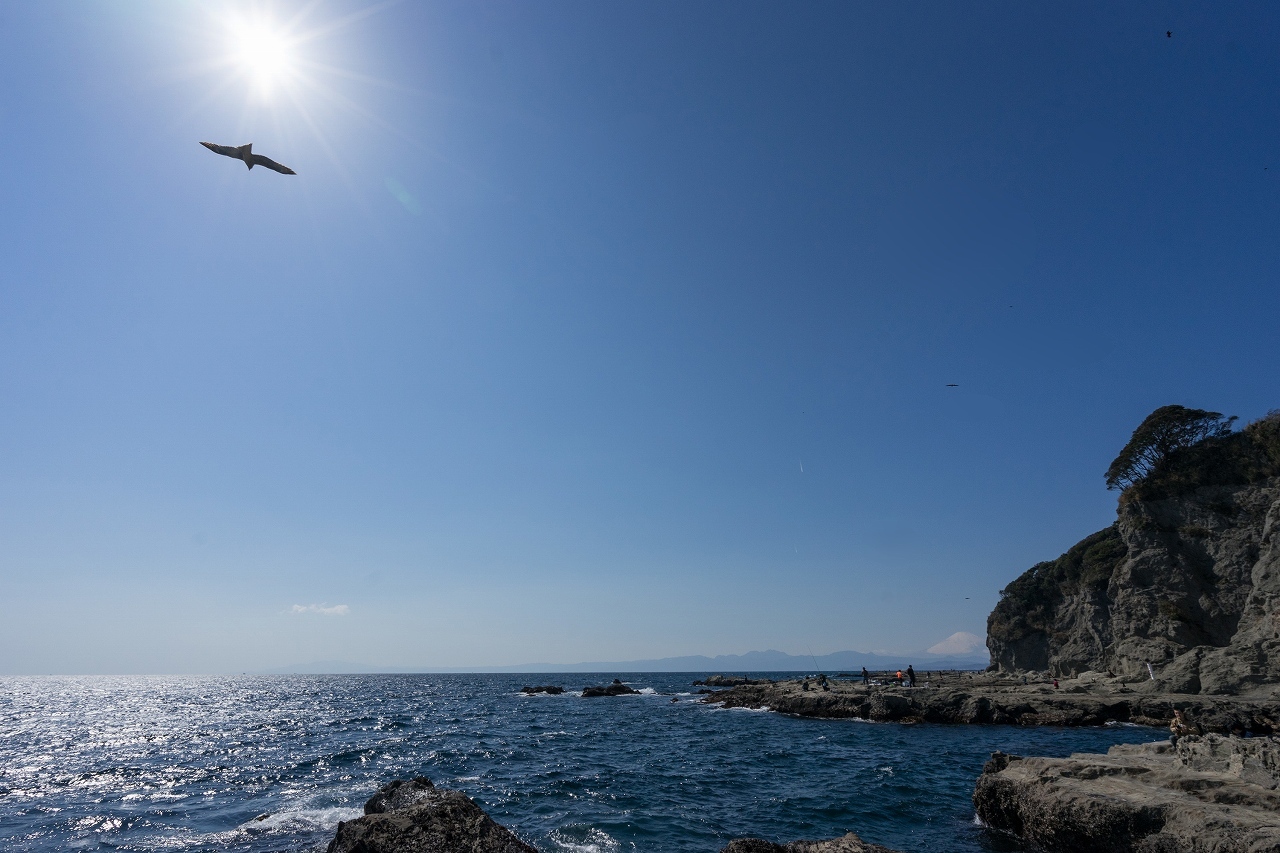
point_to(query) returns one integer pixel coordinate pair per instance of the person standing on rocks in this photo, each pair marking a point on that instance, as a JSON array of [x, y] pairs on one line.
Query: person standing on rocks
[[866, 677], [911, 676], [1179, 727]]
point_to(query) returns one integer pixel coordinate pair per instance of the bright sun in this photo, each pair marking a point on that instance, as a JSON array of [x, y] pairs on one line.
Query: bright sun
[[262, 53]]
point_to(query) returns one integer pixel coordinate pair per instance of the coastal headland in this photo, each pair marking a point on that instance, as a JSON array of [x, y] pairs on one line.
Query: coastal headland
[[995, 699]]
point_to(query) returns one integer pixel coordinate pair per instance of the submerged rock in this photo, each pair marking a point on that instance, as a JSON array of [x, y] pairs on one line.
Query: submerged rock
[[848, 843], [416, 817], [1211, 794]]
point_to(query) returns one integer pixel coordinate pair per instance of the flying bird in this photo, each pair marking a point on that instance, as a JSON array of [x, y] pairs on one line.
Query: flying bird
[[1168, 34], [953, 385], [245, 153]]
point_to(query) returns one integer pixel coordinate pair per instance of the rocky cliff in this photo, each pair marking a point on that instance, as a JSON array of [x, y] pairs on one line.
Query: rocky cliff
[[1187, 579]]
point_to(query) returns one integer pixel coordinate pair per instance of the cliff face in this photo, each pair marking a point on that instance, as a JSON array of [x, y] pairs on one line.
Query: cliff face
[[1187, 579]]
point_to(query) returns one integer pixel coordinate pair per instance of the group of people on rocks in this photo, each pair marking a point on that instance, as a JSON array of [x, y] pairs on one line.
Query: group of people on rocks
[[909, 676]]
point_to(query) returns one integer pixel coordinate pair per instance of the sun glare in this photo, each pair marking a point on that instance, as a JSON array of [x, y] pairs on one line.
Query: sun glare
[[262, 53]]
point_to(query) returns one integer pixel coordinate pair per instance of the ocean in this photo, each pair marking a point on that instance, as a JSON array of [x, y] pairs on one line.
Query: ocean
[[272, 763]]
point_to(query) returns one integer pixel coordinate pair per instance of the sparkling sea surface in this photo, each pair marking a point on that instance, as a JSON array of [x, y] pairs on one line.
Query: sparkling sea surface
[[272, 763]]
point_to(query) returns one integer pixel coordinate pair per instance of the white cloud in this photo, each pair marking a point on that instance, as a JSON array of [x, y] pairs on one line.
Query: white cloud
[[322, 609], [959, 643]]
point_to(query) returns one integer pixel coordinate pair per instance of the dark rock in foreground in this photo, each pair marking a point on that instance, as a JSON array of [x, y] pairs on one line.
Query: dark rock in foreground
[[849, 843], [417, 817], [414, 816], [617, 688], [549, 689], [1211, 794], [400, 794]]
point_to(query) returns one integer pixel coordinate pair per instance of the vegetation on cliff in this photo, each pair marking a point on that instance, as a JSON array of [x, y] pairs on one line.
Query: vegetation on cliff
[[1028, 605], [1227, 459], [1161, 434]]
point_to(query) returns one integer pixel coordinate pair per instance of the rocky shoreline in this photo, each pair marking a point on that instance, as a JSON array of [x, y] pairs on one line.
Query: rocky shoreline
[[414, 816], [992, 699], [1208, 794]]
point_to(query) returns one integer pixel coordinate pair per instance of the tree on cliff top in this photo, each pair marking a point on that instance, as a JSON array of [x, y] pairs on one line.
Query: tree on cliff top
[[1167, 429]]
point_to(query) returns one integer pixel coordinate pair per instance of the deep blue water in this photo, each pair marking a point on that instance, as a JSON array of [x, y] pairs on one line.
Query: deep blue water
[[187, 763]]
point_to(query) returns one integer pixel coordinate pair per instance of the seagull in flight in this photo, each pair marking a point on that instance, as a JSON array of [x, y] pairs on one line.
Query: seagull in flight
[[245, 153], [953, 385]]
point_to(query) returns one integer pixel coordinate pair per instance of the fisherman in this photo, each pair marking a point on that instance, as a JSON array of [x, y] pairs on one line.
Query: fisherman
[[911, 676], [866, 677], [822, 681]]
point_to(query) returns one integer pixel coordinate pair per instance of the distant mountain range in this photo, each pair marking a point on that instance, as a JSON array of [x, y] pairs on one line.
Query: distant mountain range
[[766, 661]]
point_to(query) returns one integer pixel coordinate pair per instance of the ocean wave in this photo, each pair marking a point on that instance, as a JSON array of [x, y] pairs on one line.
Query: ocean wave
[[295, 820]]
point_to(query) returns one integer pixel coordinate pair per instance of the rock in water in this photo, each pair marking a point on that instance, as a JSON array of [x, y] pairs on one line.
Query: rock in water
[[617, 688], [1211, 794], [399, 794], [849, 843], [416, 817]]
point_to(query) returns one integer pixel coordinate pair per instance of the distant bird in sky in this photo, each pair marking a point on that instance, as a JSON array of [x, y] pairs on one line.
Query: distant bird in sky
[[953, 385], [245, 153], [1168, 34]]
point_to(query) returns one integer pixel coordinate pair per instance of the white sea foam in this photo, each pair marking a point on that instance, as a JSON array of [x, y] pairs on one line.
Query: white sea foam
[[648, 691], [300, 819], [592, 841]]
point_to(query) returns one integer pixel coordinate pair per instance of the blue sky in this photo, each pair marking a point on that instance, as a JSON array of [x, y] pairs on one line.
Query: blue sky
[[601, 331]]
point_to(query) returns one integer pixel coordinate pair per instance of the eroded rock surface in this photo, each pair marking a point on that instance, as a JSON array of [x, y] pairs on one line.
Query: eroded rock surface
[[1211, 794]]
